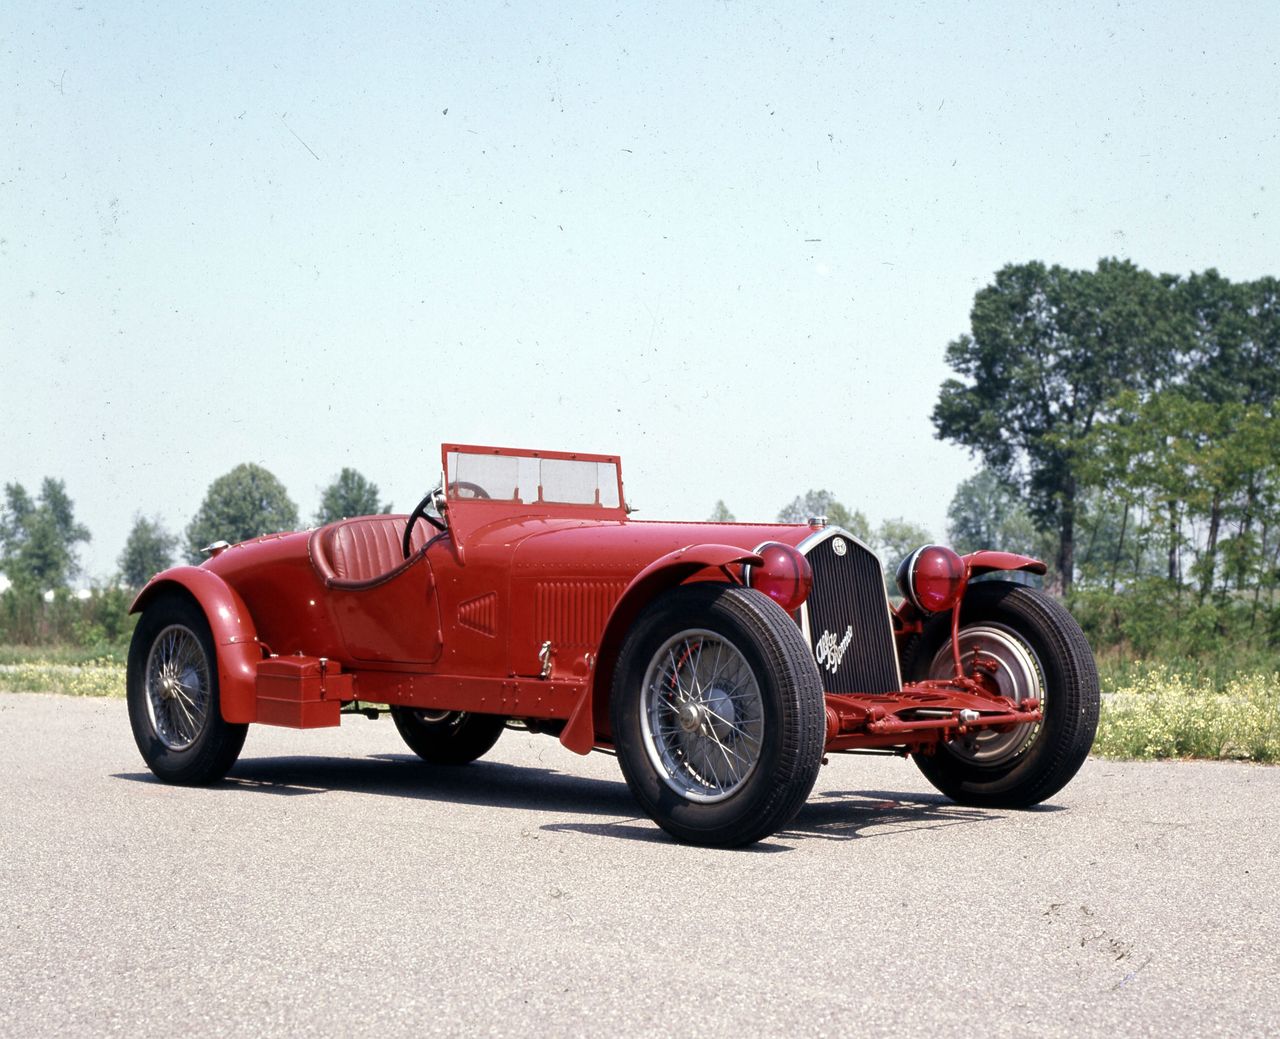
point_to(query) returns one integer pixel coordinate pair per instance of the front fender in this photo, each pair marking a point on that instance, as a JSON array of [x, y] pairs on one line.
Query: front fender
[[235, 639], [986, 561], [591, 714]]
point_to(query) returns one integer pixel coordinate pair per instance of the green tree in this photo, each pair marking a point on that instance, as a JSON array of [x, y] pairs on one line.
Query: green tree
[[1234, 355], [896, 539], [1234, 372], [823, 503], [1048, 349], [38, 538], [148, 550], [242, 504], [350, 494], [721, 513], [1179, 461], [988, 512]]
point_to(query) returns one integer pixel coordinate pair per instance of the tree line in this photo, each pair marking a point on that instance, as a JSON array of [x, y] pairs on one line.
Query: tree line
[[1134, 415], [40, 536]]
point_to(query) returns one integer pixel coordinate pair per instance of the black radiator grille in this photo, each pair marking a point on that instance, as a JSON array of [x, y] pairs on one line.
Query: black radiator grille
[[847, 617]]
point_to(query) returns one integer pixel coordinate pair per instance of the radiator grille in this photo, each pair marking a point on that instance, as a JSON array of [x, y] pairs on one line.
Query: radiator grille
[[847, 617]]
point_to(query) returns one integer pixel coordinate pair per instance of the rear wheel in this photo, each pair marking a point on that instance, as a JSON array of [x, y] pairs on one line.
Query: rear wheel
[[1022, 645], [448, 737], [172, 691], [718, 715]]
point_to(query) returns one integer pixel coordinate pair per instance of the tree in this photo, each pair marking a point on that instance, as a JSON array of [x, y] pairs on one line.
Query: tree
[[148, 550], [721, 513], [1175, 460], [988, 512], [38, 539], [244, 503], [823, 503], [1234, 372], [1048, 349], [898, 538], [350, 494]]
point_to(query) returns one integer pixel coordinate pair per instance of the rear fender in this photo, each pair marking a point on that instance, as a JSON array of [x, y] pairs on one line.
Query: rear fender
[[234, 637], [591, 714]]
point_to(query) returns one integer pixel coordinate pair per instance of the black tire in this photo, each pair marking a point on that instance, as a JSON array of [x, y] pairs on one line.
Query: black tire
[[172, 690], [448, 737], [1043, 654], [730, 759]]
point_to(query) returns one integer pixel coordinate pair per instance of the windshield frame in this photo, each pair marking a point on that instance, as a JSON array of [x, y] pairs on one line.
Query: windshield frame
[[539, 507]]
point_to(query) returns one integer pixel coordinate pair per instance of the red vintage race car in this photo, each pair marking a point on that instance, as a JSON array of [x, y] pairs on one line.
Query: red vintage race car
[[720, 661]]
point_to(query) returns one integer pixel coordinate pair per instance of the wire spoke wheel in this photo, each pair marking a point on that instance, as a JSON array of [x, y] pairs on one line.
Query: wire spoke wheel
[[717, 714], [178, 690], [703, 716], [172, 687]]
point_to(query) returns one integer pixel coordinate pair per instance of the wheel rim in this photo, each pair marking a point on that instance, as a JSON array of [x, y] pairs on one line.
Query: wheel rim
[[702, 716], [179, 689], [440, 719], [1017, 676]]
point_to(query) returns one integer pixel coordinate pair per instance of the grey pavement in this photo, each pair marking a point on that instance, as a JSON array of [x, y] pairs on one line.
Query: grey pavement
[[333, 885]]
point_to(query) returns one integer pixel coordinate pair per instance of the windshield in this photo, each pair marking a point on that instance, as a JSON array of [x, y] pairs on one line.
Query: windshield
[[532, 477]]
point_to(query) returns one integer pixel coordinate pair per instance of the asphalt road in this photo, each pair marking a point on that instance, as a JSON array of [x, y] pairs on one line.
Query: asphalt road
[[335, 886]]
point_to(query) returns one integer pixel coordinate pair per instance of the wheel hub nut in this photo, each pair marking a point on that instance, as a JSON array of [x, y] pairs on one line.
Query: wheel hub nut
[[690, 717]]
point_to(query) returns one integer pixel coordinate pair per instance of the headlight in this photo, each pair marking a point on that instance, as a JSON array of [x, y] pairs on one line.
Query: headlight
[[932, 578], [786, 577]]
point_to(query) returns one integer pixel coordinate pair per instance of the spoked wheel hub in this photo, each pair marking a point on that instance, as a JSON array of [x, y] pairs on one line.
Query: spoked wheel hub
[[703, 717], [178, 690]]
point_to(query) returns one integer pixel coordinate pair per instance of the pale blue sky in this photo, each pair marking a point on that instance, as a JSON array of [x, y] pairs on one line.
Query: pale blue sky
[[727, 241]]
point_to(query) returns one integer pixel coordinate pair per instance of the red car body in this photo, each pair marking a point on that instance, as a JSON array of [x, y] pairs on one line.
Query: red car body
[[520, 606]]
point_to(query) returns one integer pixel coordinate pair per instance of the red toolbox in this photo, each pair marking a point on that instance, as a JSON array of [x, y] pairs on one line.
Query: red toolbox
[[302, 692]]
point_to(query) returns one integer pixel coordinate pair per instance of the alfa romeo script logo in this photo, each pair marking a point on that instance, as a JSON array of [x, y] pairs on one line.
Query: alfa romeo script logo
[[831, 649]]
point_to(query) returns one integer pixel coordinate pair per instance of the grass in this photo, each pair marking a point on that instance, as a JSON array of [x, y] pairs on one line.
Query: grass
[[64, 654], [95, 677]]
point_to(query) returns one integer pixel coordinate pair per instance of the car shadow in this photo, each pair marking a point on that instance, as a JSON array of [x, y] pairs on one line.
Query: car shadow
[[828, 815], [845, 815], [490, 784], [833, 816]]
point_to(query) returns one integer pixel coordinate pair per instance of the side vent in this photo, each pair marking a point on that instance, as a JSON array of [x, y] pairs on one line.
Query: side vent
[[480, 614], [571, 614]]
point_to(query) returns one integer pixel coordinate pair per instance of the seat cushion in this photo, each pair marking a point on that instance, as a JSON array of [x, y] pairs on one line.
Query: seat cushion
[[361, 550]]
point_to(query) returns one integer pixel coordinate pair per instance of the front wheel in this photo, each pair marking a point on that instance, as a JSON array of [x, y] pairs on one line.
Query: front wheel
[[172, 691], [718, 715], [1022, 645]]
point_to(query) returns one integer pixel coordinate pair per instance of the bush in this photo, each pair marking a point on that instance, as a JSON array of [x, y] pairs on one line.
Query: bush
[[1160, 713], [99, 624], [1151, 621]]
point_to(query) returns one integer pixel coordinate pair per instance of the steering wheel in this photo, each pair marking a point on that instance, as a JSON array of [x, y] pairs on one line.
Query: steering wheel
[[473, 490], [420, 512]]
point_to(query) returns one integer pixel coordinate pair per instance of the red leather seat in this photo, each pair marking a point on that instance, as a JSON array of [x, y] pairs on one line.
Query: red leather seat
[[363, 551]]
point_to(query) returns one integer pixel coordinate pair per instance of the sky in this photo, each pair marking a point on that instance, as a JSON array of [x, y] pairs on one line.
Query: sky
[[727, 241]]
